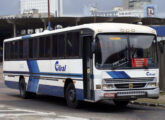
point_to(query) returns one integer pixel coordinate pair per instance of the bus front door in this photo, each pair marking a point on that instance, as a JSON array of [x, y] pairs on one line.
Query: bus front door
[[87, 68]]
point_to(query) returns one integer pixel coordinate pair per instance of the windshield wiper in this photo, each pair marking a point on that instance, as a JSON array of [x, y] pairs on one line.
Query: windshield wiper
[[133, 54]]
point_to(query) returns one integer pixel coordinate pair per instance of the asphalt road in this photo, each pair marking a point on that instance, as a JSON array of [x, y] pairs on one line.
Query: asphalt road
[[12, 107]]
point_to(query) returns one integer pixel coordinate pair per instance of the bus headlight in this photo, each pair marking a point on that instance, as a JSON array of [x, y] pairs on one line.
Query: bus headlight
[[108, 86], [152, 85]]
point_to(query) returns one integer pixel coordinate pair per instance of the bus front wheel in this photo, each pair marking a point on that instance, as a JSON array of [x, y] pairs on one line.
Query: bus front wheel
[[70, 95]]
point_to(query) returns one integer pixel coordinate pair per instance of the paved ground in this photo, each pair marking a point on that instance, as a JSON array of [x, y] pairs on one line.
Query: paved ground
[[157, 102], [12, 107]]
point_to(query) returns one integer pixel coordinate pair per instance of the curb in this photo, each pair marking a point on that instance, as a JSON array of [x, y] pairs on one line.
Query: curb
[[148, 104]]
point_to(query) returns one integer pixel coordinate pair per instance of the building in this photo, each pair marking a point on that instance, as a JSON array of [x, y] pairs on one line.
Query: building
[[136, 4], [103, 13], [131, 13], [118, 12], [130, 8], [42, 7], [126, 4], [149, 10], [123, 13]]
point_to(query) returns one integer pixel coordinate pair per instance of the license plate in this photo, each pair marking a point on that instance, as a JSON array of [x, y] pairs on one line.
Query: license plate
[[109, 95]]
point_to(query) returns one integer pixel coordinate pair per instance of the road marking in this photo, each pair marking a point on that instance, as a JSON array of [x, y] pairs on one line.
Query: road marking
[[12, 112], [19, 114], [65, 118], [7, 110], [2, 106]]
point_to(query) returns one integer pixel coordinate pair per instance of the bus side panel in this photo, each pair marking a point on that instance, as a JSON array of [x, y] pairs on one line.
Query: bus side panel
[[59, 71], [11, 82], [51, 87], [79, 90], [12, 71], [45, 76]]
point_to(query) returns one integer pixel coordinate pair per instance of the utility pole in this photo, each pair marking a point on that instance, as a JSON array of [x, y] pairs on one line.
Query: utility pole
[[49, 23]]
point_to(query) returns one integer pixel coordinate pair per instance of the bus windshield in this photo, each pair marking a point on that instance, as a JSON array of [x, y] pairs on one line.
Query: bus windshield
[[125, 51]]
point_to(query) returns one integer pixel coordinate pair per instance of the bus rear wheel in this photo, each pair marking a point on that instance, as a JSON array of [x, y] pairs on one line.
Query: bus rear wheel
[[22, 88], [121, 103], [70, 95]]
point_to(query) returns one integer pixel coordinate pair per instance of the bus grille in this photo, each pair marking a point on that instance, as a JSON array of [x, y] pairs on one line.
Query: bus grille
[[131, 80], [134, 85]]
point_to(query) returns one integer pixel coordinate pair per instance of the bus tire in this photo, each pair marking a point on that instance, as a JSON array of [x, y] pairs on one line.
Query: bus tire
[[70, 96], [22, 88], [121, 103]]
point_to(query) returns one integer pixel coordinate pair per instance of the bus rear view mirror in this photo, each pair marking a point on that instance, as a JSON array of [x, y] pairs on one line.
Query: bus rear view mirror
[[161, 47]]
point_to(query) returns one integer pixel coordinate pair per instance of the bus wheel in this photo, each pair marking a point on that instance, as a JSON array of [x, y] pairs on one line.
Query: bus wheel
[[121, 103], [70, 95], [22, 88]]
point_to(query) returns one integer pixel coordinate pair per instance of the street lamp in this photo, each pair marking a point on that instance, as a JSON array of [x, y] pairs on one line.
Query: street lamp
[[49, 23]]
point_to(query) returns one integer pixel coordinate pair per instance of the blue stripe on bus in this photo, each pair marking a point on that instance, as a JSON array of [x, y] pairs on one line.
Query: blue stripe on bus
[[58, 91], [48, 90], [33, 82], [33, 66], [118, 75], [11, 84], [73, 75], [51, 90], [26, 36], [79, 94]]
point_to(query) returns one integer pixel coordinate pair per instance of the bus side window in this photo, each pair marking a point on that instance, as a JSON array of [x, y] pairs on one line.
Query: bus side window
[[61, 46], [44, 47], [16, 50], [13, 50], [41, 47], [30, 48], [47, 46], [20, 49], [54, 46], [76, 45], [35, 48], [69, 45], [25, 48], [72, 44], [7, 51]]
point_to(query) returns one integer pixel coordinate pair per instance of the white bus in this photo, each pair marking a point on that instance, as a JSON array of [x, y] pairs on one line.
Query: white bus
[[91, 62]]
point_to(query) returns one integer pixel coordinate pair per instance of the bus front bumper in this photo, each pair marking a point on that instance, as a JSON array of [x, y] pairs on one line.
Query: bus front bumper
[[127, 94]]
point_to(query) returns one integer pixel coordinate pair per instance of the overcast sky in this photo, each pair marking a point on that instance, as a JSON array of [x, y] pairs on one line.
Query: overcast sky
[[9, 7]]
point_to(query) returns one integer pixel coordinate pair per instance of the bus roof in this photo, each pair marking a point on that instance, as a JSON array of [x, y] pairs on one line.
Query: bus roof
[[97, 28]]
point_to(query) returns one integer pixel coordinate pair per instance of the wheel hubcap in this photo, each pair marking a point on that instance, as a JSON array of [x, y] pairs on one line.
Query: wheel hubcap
[[72, 95]]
